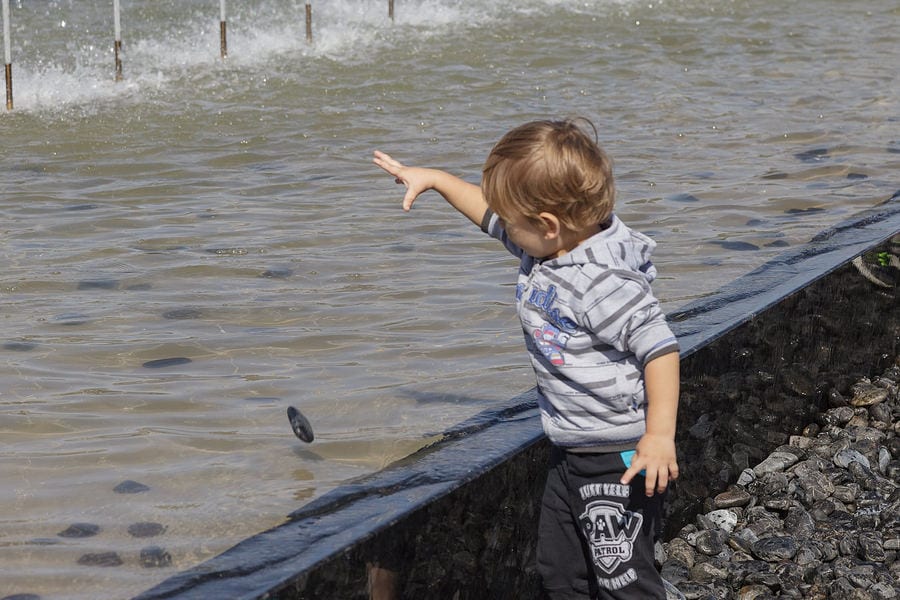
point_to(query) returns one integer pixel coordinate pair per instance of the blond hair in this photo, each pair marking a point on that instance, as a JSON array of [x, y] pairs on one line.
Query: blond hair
[[550, 166]]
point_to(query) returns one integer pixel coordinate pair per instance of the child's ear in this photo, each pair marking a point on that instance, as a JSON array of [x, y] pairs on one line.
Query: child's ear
[[552, 226]]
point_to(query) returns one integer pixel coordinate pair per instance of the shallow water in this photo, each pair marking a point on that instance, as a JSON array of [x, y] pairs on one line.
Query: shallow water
[[227, 213]]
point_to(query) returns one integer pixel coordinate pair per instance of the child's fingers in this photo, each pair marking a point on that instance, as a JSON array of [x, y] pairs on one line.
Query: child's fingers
[[387, 162], [661, 481], [629, 474], [655, 480]]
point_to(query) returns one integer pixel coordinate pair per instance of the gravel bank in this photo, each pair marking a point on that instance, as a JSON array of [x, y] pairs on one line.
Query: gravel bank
[[818, 518]]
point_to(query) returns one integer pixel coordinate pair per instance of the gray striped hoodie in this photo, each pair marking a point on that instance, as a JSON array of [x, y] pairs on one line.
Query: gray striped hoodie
[[591, 323]]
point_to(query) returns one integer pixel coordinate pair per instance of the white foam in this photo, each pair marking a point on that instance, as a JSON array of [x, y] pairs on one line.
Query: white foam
[[168, 43]]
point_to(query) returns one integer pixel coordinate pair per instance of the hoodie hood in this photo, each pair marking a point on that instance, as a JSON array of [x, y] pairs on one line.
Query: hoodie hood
[[617, 247]]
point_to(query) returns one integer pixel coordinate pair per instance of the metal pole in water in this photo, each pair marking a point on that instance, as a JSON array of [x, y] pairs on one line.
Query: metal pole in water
[[308, 23], [7, 54], [118, 42], [223, 44], [391, 10]]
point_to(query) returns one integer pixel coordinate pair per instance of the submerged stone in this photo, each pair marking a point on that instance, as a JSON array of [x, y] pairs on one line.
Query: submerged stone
[[130, 487], [162, 363], [19, 346], [80, 530], [736, 245], [812, 155], [183, 313], [276, 273], [145, 529], [684, 197], [71, 319], [155, 557], [100, 559], [98, 284]]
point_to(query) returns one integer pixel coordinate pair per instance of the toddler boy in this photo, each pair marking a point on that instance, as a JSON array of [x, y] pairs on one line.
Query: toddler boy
[[605, 360]]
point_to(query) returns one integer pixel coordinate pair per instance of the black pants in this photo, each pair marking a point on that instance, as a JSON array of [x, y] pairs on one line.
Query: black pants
[[596, 536]]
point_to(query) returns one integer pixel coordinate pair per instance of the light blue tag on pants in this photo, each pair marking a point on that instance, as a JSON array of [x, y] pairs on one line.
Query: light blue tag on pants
[[627, 457]]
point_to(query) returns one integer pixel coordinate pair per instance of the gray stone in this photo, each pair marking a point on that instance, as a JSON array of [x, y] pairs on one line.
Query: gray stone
[[869, 396], [746, 476], [723, 519], [707, 572], [799, 523], [734, 496], [711, 542], [777, 461], [847, 456], [775, 548]]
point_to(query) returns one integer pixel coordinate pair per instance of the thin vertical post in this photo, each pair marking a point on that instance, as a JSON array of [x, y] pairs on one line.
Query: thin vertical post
[[308, 23], [7, 55], [391, 10], [223, 42], [118, 41]]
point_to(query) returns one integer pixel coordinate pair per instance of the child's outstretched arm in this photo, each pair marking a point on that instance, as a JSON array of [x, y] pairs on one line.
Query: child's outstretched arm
[[655, 451], [463, 196]]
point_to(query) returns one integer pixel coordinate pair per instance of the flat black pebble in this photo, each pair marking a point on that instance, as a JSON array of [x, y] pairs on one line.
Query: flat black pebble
[[300, 425], [80, 530], [161, 363], [100, 559], [154, 556], [130, 487], [183, 313], [21, 597], [145, 529], [804, 211]]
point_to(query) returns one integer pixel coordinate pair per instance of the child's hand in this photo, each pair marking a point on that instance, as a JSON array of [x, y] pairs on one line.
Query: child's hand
[[656, 455], [416, 180]]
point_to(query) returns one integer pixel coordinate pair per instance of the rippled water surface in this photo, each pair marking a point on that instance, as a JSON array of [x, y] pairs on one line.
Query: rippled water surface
[[194, 248]]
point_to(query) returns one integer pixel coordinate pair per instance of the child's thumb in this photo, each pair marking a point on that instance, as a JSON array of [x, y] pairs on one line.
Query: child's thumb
[[408, 199]]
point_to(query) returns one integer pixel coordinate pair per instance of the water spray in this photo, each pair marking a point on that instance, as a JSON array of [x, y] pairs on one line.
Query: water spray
[[118, 42], [308, 23], [223, 43], [7, 53]]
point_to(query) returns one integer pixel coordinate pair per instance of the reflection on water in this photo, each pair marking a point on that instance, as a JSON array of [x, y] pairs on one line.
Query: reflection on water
[[188, 252]]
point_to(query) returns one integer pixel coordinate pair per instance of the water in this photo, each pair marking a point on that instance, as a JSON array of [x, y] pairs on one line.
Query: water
[[227, 212]]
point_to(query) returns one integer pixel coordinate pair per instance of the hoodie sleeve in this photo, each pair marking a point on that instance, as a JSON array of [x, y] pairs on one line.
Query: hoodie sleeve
[[621, 311], [491, 225]]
